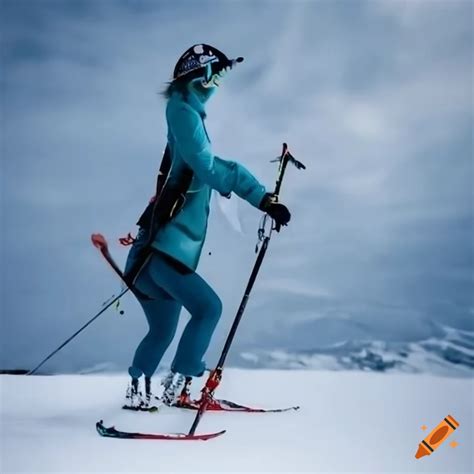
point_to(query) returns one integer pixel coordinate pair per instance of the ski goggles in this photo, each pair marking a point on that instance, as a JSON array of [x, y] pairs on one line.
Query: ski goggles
[[214, 72]]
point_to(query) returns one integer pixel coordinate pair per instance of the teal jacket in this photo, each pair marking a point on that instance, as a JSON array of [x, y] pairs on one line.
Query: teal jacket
[[183, 237]]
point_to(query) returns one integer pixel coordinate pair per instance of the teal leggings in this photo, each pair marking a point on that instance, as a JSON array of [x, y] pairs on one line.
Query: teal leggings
[[171, 288]]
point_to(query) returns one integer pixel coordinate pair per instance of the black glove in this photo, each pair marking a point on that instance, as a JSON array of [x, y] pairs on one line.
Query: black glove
[[276, 210]]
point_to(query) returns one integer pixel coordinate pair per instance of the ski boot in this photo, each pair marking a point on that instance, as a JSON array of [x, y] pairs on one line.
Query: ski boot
[[149, 402], [176, 389], [185, 395], [135, 400], [133, 397]]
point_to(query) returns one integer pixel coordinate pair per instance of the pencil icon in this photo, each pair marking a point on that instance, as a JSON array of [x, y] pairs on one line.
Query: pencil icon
[[436, 437]]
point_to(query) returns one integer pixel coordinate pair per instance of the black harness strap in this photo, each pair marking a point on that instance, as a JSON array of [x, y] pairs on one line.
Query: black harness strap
[[169, 200]]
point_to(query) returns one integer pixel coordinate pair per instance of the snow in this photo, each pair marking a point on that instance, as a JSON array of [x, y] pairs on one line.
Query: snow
[[348, 422]]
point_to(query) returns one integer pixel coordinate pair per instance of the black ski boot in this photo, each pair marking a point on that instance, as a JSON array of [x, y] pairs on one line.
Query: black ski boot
[[150, 399], [176, 389], [185, 395], [133, 397]]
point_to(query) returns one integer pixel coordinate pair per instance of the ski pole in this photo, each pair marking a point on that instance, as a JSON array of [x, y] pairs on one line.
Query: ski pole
[[107, 306], [215, 376]]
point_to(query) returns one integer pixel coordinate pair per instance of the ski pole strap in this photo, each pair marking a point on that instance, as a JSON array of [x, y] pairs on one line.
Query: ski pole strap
[[262, 230], [128, 240]]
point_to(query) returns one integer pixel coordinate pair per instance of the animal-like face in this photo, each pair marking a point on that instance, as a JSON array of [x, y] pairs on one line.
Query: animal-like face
[[213, 79], [204, 92]]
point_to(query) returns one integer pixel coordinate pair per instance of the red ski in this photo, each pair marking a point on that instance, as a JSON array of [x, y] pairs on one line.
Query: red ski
[[113, 433], [226, 405]]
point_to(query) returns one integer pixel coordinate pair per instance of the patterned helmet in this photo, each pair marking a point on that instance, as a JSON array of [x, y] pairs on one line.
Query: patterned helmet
[[202, 56]]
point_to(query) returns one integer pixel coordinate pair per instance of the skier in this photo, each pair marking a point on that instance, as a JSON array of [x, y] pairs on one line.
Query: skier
[[167, 280]]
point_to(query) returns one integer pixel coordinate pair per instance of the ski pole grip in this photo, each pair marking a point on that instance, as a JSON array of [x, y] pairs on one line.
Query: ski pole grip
[[98, 240]]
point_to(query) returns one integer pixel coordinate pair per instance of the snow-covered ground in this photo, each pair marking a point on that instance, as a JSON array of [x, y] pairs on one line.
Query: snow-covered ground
[[348, 422]]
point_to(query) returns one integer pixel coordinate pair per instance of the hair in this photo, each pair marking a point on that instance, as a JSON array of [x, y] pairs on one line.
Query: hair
[[180, 84]]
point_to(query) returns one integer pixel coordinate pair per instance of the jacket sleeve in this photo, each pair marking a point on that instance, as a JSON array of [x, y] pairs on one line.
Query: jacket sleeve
[[193, 145]]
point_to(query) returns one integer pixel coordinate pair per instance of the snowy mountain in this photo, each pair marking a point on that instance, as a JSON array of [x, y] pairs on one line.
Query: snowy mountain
[[451, 354]]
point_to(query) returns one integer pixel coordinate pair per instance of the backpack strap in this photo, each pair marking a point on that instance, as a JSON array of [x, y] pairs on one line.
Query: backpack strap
[[165, 167], [169, 200]]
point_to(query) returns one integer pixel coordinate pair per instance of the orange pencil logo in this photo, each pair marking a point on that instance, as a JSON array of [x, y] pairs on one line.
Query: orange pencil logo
[[436, 437]]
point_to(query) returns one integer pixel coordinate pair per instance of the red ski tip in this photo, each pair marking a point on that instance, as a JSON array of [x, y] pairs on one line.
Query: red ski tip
[[98, 240]]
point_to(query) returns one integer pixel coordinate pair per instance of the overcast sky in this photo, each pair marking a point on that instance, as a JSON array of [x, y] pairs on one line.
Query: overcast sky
[[374, 97]]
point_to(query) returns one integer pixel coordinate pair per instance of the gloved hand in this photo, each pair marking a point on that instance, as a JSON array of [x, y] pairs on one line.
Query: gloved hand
[[276, 210]]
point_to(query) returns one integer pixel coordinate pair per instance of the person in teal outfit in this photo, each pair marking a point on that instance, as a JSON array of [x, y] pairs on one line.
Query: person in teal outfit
[[168, 280]]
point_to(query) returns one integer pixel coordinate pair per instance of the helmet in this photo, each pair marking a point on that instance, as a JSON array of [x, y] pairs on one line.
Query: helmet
[[204, 62]]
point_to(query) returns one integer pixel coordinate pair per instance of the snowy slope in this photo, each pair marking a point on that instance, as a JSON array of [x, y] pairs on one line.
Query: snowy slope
[[349, 422]]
